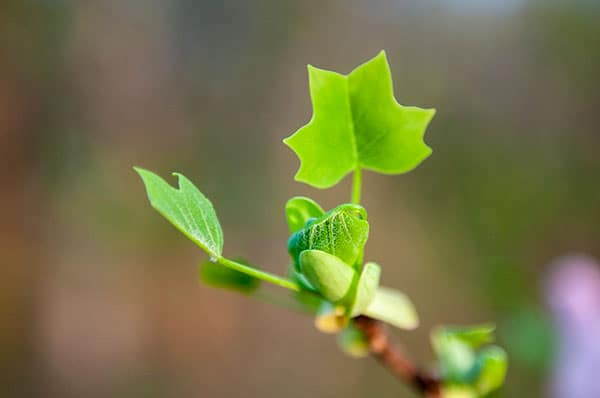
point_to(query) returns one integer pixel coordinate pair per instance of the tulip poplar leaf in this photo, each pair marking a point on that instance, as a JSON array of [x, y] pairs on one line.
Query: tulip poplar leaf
[[342, 232], [358, 124], [187, 209]]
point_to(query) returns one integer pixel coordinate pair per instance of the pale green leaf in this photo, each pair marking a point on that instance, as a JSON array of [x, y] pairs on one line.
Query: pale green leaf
[[474, 336], [458, 392], [330, 276], [492, 363], [357, 123], [341, 232], [187, 209], [367, 287], [457, 359], [393, 307], [299, 209]]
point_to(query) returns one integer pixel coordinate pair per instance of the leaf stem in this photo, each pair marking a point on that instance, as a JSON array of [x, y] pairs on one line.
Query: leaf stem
[[389, 355], [265, 276], [356, 185]]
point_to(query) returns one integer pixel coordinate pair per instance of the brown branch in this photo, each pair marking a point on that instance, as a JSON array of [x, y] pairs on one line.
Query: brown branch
[[390, 356]]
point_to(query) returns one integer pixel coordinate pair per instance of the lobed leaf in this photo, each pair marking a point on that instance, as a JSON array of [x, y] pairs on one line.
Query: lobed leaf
[[357, 123], [187, 209]]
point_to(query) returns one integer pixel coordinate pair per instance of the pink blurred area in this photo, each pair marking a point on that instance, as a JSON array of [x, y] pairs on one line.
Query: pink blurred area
[[99, 296]]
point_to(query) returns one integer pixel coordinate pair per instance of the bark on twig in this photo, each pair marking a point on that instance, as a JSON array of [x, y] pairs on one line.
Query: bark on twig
[[392, 357]]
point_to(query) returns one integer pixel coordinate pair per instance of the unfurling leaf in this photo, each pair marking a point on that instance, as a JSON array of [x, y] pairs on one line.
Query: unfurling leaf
[[299, 209], [394, 307], [474, 336], [459, 392], [367, 287], [464, 364], [330, 276], [492, 364], [341, 232], [187, 209], [357, 123], [218, 276]]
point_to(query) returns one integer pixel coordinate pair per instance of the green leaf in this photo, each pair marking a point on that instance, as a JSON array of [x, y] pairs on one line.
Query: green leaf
[[492, 363], [457, 359], [474, 336], [327, 273], [357, 123], [299, 209], [393, 307], [187, 209], [216, 275], [458, 392], [342, 232], [367, 287]]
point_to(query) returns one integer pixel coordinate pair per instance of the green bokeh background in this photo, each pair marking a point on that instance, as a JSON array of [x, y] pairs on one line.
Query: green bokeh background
[[99, 296]]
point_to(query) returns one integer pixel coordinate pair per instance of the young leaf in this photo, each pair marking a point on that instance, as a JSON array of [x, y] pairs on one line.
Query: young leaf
[[187, 209], [492, 363], [357, 123], [327, 273], [457, 359], [393, 307], [299, 209], [341, 232], [454, 391], [221, 277], [474, 336], [367, 287]]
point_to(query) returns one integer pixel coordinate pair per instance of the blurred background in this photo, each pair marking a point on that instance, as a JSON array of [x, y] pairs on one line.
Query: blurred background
[[99, 296]]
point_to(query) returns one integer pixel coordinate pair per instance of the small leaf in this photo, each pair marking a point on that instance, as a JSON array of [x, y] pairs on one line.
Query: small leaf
[[187, 209], [393, 307], [342, 232], [331, 318], [357, 123], [353, 342], [328, 274], [474, 336], [299, 210], [458, 392], [492, 363], [457, 360], [367, 287], [218, 276]]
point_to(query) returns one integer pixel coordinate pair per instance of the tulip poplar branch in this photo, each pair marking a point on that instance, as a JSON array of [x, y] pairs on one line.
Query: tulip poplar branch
[[393, 358]]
